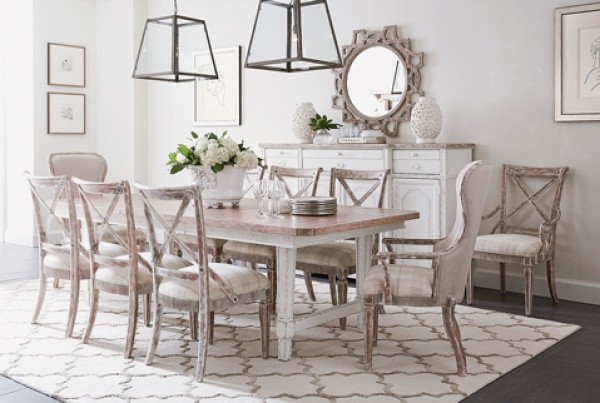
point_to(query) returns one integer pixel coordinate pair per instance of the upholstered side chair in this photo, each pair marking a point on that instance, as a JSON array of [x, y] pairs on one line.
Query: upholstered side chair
[[337, 260], [444, 283], [127, 274], [215, 245], [90, 167], [194, 285], [297, 182], [66, 261], [525, 233]]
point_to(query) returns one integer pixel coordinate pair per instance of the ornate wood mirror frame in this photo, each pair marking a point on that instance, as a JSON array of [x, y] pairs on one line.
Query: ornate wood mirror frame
[[389, 38]]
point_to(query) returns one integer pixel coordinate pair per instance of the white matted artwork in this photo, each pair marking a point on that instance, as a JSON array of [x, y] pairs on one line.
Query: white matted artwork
[[577, 63], [66, 113], [219, 102], [66, 65]]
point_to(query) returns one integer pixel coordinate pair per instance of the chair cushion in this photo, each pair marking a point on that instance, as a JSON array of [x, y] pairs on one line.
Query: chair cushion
[[121, 230], [62, 261], [238, 250], [336, 254], [168, 261], [241, 279], [120, 275], [406, 281], [509, 244]]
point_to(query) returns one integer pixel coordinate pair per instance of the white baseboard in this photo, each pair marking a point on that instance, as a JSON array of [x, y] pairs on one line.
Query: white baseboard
[[571, 290], [20, 238]]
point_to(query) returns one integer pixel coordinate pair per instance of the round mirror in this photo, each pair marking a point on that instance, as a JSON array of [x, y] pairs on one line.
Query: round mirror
[[376, 81]]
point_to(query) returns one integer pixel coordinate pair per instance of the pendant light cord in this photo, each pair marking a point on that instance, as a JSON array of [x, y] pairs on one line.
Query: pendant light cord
[[174, 6]]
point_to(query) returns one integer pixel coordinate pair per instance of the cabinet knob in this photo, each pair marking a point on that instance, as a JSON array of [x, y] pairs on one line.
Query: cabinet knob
[[282, 163], [340, 154], [416, 167], [415, 155], [281, 153], [340, 165]]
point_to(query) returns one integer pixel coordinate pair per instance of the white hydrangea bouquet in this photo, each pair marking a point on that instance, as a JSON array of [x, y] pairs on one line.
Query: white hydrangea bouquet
[[213, 152]]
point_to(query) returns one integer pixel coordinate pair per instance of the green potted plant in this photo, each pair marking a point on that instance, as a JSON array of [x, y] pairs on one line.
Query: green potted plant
[[321, 126]]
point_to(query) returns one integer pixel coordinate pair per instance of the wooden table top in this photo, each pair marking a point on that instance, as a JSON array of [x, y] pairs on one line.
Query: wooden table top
[[243, 217]]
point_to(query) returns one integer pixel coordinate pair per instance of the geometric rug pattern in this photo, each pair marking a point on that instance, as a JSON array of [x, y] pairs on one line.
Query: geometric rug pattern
[[412, 362]]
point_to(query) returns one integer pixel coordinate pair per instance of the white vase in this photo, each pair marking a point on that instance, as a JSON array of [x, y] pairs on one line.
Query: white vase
[[301, 120], [426, 120], [226, 186]]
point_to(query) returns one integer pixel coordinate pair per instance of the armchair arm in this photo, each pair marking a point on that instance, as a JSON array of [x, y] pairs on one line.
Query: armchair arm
[[547, 229], [406, 256], [492, 213], [409, 241]]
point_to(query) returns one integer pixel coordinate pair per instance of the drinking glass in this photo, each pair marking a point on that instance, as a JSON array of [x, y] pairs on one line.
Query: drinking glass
[[259, 189], [275, 193]]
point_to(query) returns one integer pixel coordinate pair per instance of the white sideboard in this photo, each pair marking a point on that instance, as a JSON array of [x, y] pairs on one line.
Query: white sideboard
[[423, 175]]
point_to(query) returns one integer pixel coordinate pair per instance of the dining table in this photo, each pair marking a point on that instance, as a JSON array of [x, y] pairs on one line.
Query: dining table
[[286, 234]]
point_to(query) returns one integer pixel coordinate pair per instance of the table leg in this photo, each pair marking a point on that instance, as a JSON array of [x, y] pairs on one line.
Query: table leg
[[364, 244], [286, 269]]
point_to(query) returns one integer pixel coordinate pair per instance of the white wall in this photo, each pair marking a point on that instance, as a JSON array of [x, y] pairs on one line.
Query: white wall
[[489, 63]]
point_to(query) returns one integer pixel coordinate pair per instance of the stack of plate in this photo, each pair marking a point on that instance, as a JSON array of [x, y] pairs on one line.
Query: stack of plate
[[314, 206]]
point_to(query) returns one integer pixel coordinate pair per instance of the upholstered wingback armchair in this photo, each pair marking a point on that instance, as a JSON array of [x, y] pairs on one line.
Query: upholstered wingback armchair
[[444, 283]]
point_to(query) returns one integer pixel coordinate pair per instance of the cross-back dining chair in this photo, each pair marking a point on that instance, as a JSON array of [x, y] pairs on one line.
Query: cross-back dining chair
[[307, 181], [194, 285], [127, 274], [65, 261], [215, 245], [443, 284], [337, 260], [90, 167], [514, 239]]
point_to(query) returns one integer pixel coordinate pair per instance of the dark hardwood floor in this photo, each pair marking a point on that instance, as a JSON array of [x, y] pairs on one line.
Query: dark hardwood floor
[[566, 372]]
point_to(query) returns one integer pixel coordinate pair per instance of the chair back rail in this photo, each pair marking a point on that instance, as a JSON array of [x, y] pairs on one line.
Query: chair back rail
[[189, 197], [84, 165], [251, 176], [308, 186], [378, 177], [514, 182]]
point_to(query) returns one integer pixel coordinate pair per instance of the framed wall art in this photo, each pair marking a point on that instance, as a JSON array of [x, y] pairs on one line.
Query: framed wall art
[[66, 65], [66, 113], [577, 63], [219, 102]]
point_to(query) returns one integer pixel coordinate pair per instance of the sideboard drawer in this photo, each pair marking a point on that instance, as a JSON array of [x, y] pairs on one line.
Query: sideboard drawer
[[351, 154], [416, 155], [272, 153], [424, 166], [283, 162], [341, 163]]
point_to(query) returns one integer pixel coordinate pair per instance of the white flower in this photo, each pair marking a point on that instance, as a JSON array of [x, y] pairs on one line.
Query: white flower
[[246, 159], [182, 159], [231, 146]]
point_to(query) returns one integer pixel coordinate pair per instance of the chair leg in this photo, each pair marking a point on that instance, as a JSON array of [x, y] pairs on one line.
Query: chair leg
[[369, 308], [73, 306], [342, 285], [376, 324], [471, 283], [551, 280], [528, 276], [147, 301], [453, 332], [265, 326], [56, 283], [332, 289], [155, 332], [193, 325], [211, 327], [132, 324], [309, 285], [41, 296], [272, 275], [92, 315], [202, 343], [503, 278]]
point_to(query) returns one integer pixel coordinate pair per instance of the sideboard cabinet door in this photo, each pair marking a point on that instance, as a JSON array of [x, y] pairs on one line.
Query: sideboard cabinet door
[[422, 195]]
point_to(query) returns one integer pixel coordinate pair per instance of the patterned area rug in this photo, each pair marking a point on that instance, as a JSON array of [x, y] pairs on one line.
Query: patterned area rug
[[413, 361]]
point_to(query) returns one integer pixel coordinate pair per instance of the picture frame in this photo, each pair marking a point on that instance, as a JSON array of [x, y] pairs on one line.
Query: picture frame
[[577, 63], [219, 102], [66, 65], [66, 113]]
